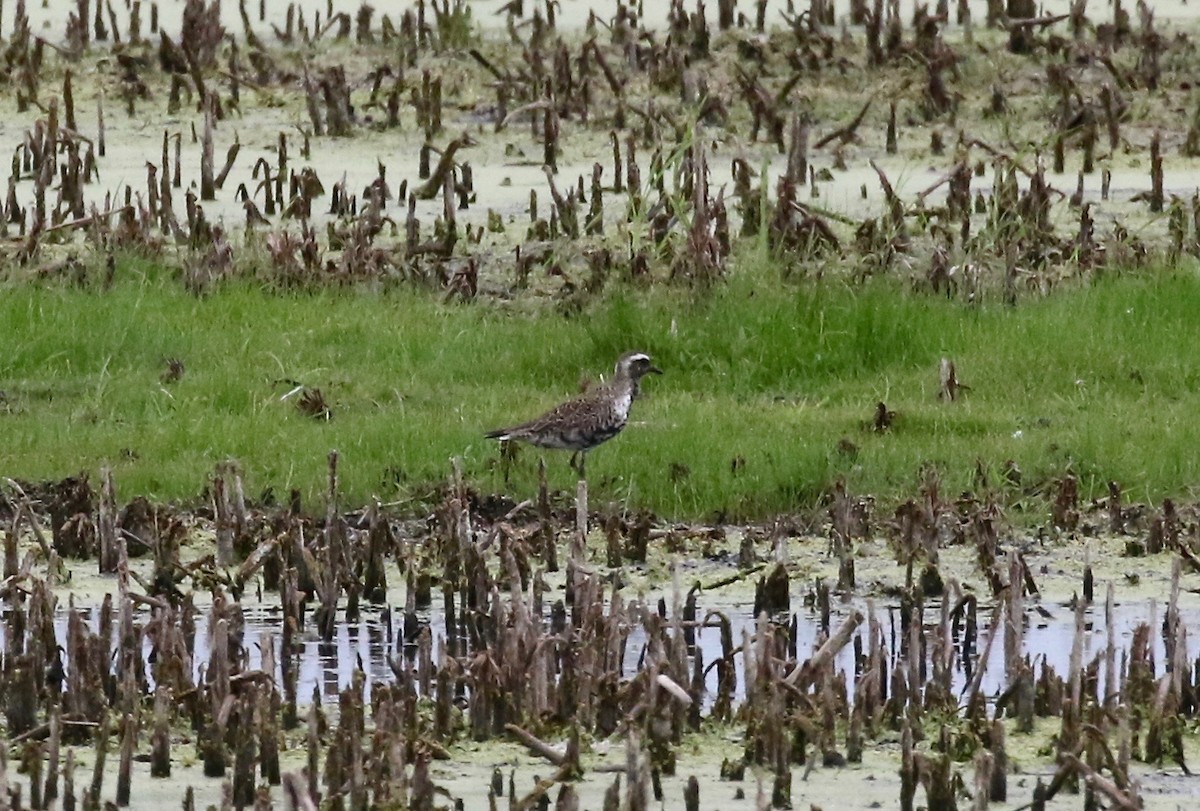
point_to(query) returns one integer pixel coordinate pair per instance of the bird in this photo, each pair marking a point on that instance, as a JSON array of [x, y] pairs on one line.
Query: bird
[[588, 420]]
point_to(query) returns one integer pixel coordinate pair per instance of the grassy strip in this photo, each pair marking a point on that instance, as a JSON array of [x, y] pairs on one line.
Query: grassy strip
[[1099, 381]]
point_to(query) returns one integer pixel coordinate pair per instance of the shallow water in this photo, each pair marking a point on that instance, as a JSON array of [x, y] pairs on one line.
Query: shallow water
[[369, 644], [1142, 585]]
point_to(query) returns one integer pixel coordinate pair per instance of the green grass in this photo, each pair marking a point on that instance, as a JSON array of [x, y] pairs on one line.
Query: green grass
[[1101, 381]]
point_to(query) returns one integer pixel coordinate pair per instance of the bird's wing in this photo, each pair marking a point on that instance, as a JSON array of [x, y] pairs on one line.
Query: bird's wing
[[566, 413]]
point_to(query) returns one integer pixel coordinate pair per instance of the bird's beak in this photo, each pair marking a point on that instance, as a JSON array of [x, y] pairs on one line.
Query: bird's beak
[[654, 370]]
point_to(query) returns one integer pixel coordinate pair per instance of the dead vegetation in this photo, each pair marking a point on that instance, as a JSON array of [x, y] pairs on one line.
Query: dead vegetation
[[669, 94], [515, 660]]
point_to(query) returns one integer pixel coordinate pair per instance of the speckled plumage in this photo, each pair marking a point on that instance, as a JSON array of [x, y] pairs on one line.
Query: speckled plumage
[[590, 419]]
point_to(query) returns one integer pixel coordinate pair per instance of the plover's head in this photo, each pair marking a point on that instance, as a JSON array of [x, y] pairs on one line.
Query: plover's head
[[635, 366]]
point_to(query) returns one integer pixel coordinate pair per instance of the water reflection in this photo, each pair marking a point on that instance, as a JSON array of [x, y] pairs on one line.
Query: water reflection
[[375, 639]]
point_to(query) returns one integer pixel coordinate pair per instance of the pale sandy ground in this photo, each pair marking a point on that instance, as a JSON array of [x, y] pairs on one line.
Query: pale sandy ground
[[46, 15]]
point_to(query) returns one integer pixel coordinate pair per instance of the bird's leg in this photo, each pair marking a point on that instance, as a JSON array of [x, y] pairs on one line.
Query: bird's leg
[[579, 458], [508, 453]]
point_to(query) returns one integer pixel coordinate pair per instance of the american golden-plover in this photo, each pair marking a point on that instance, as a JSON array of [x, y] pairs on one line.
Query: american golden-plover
[[596, 416]]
